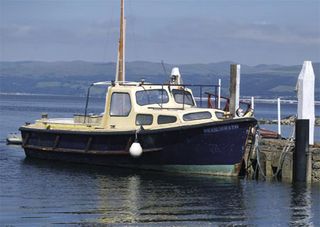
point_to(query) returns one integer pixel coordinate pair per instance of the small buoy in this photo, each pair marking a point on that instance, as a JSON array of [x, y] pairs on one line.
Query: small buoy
[[135, 149]]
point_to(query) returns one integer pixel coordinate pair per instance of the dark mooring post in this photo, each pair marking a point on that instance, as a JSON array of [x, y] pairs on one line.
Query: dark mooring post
[[300, 160]]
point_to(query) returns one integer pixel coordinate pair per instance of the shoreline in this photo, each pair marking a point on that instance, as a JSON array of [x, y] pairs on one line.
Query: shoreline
[[286, 121], [245, 98]]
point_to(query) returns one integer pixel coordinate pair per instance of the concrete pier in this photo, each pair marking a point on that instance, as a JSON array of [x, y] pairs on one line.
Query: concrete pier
[[273, 159]]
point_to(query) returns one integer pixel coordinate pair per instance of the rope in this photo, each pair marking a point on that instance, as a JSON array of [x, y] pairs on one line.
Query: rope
[[257, 148], [286, 149]]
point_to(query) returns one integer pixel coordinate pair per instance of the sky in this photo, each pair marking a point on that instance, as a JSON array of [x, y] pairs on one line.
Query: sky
[[174, 31]]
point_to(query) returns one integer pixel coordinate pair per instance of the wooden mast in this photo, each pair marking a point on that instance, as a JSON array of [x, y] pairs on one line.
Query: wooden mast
[[120, 73]]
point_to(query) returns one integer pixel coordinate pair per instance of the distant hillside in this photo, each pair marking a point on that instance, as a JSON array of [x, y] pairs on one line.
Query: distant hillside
[[73, 78]]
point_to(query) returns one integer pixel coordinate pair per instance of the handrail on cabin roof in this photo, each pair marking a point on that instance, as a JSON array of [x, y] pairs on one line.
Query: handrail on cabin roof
[[131, 83]]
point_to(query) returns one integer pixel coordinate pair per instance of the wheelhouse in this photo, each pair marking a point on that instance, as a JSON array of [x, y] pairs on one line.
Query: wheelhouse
[[129, 105]]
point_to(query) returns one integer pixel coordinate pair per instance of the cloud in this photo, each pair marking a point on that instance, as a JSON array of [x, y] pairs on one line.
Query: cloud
[[58, 33], [195, 40], [187, 39], [196, 30], [16, 31], [266, 32]]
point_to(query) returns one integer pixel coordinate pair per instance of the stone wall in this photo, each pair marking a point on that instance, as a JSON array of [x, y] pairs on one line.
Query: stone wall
[[271, 150], [315, 163]]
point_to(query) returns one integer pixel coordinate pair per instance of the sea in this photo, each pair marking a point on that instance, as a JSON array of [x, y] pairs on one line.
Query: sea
[[50, 193]]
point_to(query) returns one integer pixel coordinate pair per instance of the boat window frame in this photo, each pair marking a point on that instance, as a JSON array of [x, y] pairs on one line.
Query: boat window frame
[[219, 114], [143, 114], [162, 90], [171, 116], [117, 92], [194, 113], [184, 94]]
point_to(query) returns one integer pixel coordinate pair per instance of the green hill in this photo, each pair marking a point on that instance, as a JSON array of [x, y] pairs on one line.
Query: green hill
[[73, 78]]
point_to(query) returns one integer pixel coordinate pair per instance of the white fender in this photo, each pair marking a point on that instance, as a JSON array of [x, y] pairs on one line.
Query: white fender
[[135, 149]]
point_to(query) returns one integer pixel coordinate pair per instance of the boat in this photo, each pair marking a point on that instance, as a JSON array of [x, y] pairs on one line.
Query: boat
[[14, 139], [146, 126]]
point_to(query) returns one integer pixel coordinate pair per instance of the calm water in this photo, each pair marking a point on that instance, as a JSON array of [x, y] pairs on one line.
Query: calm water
[[45, 193]]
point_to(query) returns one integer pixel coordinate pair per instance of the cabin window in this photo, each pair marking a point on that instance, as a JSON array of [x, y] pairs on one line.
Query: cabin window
[[144, 119], [166, 119], [219, 115], [197, 116], [182, 96], [155, 96], [120, 104]]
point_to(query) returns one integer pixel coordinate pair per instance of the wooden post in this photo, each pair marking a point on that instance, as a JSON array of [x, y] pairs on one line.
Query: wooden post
[[309, 165], [234, 88], [300, 161], [286, 171], [269, 171]]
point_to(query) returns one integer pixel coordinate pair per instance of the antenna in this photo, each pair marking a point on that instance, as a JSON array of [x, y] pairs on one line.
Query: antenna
[[164, 68]]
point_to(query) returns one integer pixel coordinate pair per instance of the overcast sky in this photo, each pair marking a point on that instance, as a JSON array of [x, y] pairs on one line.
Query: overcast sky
[[176, 31]]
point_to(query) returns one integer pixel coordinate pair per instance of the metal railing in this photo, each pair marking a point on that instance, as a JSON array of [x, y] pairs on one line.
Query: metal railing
[[183, 87]]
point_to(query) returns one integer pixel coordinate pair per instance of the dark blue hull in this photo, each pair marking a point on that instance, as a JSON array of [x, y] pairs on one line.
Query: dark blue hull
[[211, 144]]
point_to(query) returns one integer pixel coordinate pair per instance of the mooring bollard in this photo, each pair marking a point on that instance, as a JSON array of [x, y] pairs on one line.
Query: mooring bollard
[[300, 161]]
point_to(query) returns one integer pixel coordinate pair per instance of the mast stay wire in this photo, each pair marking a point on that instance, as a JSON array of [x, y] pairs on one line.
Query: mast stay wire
[[132, 28], [109, 24]]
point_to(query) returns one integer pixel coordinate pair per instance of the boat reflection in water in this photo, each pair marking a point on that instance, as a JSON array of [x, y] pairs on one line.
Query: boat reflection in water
[[70, 194], [123, 208], [162, 198]]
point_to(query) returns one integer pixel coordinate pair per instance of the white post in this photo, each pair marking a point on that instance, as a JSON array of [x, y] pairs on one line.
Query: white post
[[219, 94], [305, 92], [252, 102], [279, 117]]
